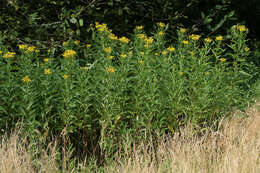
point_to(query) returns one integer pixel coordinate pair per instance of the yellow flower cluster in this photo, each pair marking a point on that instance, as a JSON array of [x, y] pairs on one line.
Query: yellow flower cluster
[[160, 33], [207, 40], [110, 69], [241, 28], [101, 27], [26, 79], [185, 42], [148, 40], [31, 49], [123, 55], [219, 38], [112, 36], [108, 49], [46, 59], [141, 36], [76, 42], [69, 53], [124, 40], [65, 76], [88, 45], [139, 27], [183, 30], [246, 49], [160, 24], [171, 49], [22, 46], [195, 37], [47, 71], [9, 55], [222, 59]]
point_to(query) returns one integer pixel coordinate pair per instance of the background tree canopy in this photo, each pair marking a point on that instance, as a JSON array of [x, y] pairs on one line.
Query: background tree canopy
[[28, 21]]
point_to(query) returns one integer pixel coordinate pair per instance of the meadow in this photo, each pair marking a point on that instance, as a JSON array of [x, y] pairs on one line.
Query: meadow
[[93, 97]]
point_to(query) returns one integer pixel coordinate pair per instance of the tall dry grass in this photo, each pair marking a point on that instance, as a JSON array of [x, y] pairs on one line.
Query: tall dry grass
[[234, 148]]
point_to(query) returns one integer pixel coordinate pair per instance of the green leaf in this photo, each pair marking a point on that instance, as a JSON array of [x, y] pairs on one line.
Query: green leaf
[[80, 22]]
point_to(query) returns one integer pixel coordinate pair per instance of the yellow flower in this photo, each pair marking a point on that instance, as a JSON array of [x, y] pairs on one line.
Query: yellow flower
[[156, 54], [9, 55], [142, 53], [207, 40], [162, 25], [108, 49], [183, 30], [26, 79], [47, 71], [160, 33], [171, 49], [46, 60], [185, 42], [222, 59], [164, 52], [111, 57], [31, 49], [247, 49], [180, 73], [124, 40], [195, 37], [85, 68], [65, 76], [37, 50], [101, 27], [76, 42], [1, 52], [141, 36], [69, 53], [146, 45], [110, 69], [242, 28], [112, 36], [139, 27], [22, 46], [149, 40], [65, 43], [88, 45], [219, 38], [140, 61], [123, 55], [207, 73]]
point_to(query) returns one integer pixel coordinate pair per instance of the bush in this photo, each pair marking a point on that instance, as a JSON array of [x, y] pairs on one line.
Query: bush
[[99, 92]]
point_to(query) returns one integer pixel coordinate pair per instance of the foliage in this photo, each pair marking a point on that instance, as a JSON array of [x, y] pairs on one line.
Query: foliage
[[97, 93]]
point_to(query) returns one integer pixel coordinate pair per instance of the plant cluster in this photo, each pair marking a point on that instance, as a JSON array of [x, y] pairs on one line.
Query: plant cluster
[[99, 92]]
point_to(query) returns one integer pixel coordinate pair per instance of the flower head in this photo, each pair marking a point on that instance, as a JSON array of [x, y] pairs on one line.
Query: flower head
[[207, 40], [246, 49], [22, 46], [46, 59], [112, 36], [123, 55], [9, 55], [26, 79], [108, 49], [185, 42], [69, 53], [183, 30], [222, 59], [65, 76], [219, 38], [195, 37], [47, 71], [76, 42], [110, 69], [88, 45], [160, 24], [139, 27], [171, 49], [31, 49], [124, 40], [164, 52]]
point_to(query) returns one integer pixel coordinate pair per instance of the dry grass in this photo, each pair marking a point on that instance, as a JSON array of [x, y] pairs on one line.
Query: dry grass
[[234, 148]]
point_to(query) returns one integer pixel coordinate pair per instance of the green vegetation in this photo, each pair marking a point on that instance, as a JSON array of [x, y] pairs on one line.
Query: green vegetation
[[97, 93]]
